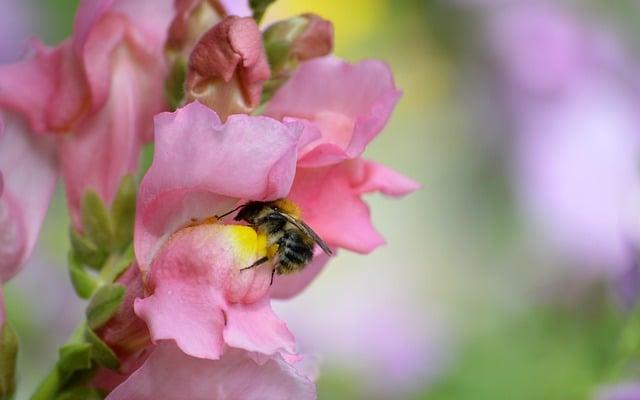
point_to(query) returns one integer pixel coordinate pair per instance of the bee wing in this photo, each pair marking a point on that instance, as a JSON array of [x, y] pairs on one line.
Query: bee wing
[[307, 229]]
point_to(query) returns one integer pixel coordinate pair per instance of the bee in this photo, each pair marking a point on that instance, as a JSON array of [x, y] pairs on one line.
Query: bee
[[290, 241]]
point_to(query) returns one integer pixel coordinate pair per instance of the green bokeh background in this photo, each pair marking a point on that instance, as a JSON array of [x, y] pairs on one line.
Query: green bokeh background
[[458, 240]]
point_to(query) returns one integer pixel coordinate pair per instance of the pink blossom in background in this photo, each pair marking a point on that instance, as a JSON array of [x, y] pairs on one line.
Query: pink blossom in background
[[28, 167], [342, 107], [573, 111], [98, 91]]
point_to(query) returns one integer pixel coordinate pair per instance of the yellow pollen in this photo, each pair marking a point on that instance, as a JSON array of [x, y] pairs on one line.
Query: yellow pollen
[[247, 243]]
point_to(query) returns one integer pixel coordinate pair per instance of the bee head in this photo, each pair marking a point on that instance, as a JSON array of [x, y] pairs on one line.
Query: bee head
[[250, 211]]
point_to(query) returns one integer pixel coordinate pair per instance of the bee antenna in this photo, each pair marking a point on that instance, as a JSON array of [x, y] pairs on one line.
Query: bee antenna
[[230, 212]]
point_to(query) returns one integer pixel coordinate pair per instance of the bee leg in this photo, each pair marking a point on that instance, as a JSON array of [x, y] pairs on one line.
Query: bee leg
[[273, 271], [258, 262]]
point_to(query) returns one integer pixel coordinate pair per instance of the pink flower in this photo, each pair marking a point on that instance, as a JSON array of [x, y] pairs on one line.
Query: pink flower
[[102, 86], [197, 295], [170, 374], [228, 67], [28, 173], [343, 107]]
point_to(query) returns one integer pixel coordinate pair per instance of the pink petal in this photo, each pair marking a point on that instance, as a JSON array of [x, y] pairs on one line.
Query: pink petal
[[42, 87], [330, 198], [202, 167], [29, 172], [288, 286], [106, 145], [374, 177], [170, 374], [333, 209], [349, 103], [202, 300], [149, 18], [115, 36]]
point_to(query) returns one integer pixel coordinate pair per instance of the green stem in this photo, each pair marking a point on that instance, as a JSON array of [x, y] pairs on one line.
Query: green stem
[[52, 383]]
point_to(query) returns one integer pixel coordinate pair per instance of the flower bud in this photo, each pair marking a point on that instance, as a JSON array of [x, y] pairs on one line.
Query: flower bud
[[228, 67], [124, 332], [193, 18], [291, 41]]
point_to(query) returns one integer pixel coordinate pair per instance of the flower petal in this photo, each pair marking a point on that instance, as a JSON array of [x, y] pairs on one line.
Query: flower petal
[[172, 375], [349, 103], [29, 174], [38, 88], [330, 198], [376, 177], [202, 167], [202, 300], [106, 145]]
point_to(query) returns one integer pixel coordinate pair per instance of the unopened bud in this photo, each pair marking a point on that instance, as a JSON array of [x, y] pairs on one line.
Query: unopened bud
[[291, 41], [193, 18], [228, 67]]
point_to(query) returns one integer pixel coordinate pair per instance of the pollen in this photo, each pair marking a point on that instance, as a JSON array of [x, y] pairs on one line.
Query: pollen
[[247, 242]]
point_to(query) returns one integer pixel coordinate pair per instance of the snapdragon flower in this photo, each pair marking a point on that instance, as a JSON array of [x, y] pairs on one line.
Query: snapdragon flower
[[97, 91]]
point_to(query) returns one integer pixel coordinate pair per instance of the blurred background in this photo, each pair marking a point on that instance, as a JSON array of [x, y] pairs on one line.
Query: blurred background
[[511, 274]]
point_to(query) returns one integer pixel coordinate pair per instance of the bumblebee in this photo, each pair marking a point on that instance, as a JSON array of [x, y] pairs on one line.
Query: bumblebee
[[290, 241]]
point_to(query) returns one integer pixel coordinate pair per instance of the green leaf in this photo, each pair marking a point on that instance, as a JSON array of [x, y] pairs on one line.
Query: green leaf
[[8, 354], [81, 393], [96, 221], [259, 7], [83, 283], [100, 352], [123, 210], [85, 251], [104, 304], [74, 357]]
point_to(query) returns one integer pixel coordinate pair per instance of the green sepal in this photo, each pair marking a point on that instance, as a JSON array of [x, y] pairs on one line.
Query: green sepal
[[116, 265], [259, 7], [104, 304], [83, 283], [8, 355], [96, 221], [74, 357], [81, 393], [174, 85], [100, 352], [123, 210], [85, 251]]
